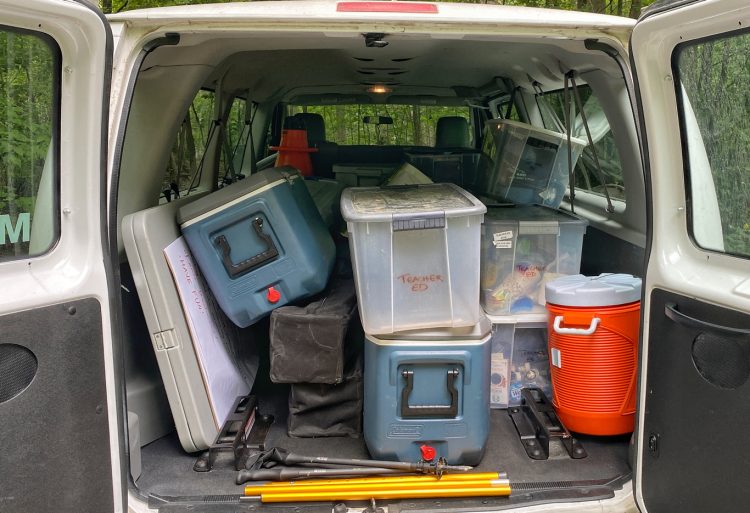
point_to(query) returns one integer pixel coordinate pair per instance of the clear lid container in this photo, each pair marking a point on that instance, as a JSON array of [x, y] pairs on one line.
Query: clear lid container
[[373, 204]]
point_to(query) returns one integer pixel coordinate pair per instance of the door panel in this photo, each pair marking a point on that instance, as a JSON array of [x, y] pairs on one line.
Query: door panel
[[55, 440], [694, 395], [59, 407], [696, 406]]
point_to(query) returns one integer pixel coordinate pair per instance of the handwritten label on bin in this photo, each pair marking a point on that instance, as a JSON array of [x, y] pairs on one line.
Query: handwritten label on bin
[[419, 282]]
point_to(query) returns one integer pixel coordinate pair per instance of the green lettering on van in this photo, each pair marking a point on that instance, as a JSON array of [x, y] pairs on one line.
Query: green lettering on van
[[13, 233]]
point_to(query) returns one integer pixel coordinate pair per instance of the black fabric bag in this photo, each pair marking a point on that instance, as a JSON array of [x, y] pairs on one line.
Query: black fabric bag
[[317, 410], [312, 344]]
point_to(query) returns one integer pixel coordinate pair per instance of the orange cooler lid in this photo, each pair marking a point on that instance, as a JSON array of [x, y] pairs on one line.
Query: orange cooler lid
[[607, 289]]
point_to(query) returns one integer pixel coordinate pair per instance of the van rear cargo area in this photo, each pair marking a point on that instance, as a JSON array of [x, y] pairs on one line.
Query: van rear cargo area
[[171, 484]]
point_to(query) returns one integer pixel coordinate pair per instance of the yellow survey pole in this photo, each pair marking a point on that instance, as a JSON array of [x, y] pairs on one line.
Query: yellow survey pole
[[446, 478], [489, 484]]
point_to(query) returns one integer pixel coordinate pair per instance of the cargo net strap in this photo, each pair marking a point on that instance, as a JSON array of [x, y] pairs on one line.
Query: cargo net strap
[[570, 82]]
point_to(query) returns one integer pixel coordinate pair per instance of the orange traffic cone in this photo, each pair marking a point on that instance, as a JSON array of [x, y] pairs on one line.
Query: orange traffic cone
[[294, 150]]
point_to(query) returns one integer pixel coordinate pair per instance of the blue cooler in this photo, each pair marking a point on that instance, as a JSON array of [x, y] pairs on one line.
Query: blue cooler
[[428, 387], [260, 243]]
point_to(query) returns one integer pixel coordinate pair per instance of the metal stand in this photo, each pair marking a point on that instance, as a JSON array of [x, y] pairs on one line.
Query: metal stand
[[243, 432], [538, 425]]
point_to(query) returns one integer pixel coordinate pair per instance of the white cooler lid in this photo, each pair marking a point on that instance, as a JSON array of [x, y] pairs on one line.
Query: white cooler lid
[[604, 290]]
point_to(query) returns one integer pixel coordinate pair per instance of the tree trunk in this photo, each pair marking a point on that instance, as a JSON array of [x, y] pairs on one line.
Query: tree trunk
[[598, 6], [635, 9], [416, 125], [341, 125]]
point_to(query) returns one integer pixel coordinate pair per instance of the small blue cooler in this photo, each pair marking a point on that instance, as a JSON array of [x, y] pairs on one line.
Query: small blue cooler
[[428, 387], [260, 243]]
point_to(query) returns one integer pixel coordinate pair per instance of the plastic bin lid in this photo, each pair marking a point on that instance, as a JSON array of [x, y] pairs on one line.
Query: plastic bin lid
[[374, 204], [603, 290], [533, 131], [531, 215], [476, 332], [240, 189]]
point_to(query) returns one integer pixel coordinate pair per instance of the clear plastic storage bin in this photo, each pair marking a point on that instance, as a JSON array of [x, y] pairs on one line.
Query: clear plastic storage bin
[[519, 358], [523, 248], [525, 164], [415, 251]]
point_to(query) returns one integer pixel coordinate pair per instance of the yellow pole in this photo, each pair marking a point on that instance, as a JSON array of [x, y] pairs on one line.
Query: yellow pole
[[501, 488], [256, 489], [345, 487]]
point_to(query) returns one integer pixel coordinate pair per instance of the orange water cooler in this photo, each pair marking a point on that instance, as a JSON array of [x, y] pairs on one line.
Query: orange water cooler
[[593, 351]]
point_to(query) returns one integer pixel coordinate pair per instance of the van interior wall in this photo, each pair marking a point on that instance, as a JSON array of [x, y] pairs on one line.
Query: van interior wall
[[161, 98]]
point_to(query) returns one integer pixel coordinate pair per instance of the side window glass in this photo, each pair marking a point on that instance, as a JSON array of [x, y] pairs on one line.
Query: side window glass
[[587, 176], [186, 157], [714, 101], [29, 111], [233, 146]]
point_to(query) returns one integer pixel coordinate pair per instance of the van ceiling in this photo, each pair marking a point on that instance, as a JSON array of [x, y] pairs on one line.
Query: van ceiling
[[282, 66]]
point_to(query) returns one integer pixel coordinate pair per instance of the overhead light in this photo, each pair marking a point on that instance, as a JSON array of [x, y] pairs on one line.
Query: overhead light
[[379, 89]]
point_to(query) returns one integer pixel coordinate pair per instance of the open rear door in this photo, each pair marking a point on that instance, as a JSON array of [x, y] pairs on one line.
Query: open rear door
[[59, 443], [692, 64]]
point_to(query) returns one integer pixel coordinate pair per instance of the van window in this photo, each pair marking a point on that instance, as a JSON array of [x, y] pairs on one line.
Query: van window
[[587, 177], [29, 112], [233, 145], [186, 157], [413, 125], [713, 78]]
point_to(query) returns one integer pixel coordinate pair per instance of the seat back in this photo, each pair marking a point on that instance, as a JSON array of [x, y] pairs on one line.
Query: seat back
[[452, 132]]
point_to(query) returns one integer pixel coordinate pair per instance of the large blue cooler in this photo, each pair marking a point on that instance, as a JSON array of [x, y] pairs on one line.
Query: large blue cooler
[[428, 387], [260, 243]]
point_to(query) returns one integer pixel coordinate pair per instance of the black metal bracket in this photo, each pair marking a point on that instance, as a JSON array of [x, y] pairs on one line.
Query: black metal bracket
[[538, 425], [423, 411], [244, 432], [267, 255]]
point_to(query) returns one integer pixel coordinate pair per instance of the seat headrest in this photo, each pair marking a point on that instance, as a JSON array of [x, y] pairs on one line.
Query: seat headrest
[[315, 126], [452, 132]]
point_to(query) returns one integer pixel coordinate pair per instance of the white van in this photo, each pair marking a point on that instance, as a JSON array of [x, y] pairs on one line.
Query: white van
[[87, 418]]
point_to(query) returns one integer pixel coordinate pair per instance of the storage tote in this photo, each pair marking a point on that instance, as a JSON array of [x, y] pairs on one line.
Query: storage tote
[[428, 387], [260, 243], [519, 358], [524, 247], [415, 251], [594, 324], [525, 164]]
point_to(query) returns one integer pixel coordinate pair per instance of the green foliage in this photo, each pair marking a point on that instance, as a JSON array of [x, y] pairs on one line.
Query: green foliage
[[714, 75], [412, 124], [26, 103]]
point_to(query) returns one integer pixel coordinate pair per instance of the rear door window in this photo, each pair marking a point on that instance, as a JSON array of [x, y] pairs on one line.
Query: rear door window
[[29, 110], [714, 96]]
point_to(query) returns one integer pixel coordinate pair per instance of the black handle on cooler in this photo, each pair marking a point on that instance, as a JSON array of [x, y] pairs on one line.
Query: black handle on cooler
[[253, 262], [422, 411]]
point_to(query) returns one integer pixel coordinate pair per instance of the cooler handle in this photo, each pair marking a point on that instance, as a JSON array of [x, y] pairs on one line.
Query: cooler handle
[[575, 331], [234, 270], [448, 411]]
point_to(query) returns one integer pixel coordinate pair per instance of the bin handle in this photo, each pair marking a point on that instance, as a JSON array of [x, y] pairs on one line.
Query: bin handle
[[448, 411], [575, 331], [234, 270]]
